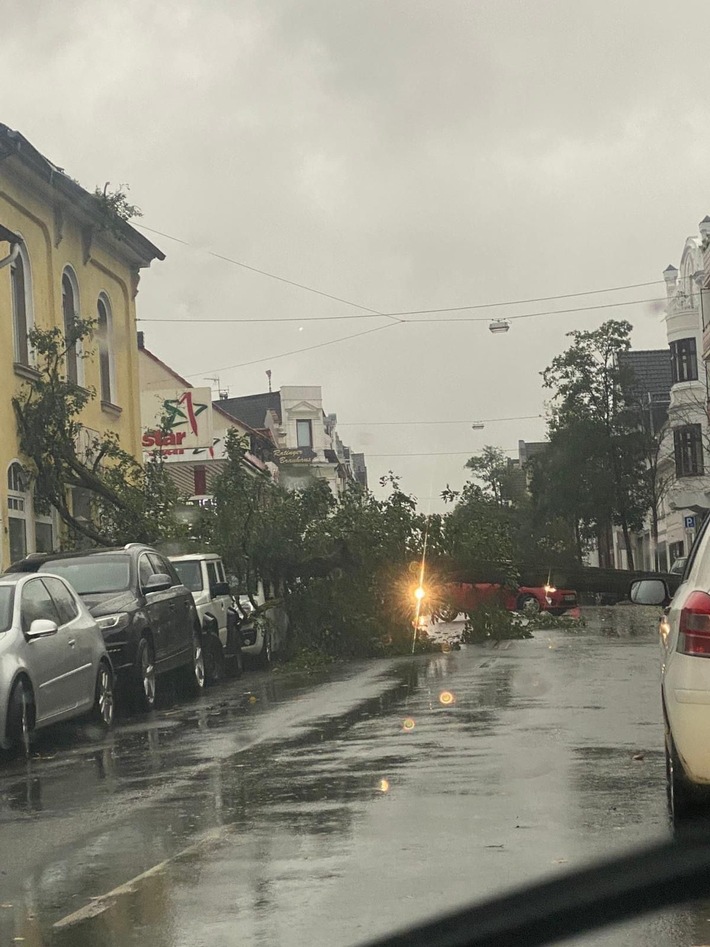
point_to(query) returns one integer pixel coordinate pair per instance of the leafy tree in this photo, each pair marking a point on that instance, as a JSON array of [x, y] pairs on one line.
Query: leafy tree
[[126, 501], [491, 468], [589, 409]]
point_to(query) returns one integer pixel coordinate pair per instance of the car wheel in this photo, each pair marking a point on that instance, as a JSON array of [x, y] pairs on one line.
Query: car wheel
[[214, 661], [104, 705], [20, 716], [266, 654], [529, 605], [194, 672], [144, 685], [681, 801]]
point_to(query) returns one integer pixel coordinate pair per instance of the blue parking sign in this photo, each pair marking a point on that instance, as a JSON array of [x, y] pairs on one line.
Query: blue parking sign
[[689, 522]]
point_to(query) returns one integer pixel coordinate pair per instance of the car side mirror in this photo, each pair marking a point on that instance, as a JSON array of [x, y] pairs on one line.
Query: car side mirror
[[158, 582], [219, 588], [42, 628], [649, 592]]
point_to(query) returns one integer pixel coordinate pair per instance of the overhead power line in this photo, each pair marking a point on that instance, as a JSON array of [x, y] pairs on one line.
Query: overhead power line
[[255, 269], [375, 312], [307, 348], [522, 417], [434, 453], [397, 315]]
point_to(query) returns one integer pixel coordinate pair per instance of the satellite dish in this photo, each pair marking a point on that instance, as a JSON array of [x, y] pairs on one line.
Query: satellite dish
[[499, 325]]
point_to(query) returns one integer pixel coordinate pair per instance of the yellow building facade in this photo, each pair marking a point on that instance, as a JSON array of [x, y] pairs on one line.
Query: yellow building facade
[[61, 258]]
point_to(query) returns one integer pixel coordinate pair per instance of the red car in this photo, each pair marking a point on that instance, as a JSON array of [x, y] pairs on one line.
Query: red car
[[466, 596]]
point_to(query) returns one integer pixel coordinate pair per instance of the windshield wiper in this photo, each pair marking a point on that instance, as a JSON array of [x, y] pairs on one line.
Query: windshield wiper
[[573, 903]]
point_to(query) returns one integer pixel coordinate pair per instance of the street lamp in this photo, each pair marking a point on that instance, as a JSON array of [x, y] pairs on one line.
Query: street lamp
[[498, 325], [477, 426]]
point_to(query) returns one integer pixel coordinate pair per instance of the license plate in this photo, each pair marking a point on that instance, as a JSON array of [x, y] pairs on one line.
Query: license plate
[[570, 598]]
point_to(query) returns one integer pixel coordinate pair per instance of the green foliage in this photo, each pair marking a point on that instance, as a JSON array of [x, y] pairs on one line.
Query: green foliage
[[123, 501], [340, 564], [594, 472], [477, 537], [115, 208], [308, 660], [544, 621], [491, 621]]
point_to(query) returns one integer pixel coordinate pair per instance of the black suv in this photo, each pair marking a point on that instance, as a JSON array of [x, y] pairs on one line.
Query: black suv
[[147, 616]]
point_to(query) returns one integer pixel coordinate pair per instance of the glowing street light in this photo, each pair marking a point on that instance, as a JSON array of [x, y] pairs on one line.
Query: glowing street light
[[419, 593]]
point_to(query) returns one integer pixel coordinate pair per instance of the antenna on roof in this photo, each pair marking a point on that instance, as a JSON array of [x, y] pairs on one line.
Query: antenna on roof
[[222, 392], [268, 375]]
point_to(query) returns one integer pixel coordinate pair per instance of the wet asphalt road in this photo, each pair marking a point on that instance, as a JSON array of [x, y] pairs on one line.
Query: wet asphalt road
[[285, 810]]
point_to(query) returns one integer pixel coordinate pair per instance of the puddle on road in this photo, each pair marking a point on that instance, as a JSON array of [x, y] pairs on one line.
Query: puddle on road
[[290, 805]]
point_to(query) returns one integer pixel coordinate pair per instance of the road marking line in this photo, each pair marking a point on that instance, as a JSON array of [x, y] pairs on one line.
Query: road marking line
[[103, 902]]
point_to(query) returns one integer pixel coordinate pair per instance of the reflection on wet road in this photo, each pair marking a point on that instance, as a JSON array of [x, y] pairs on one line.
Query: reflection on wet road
[[279, 810]]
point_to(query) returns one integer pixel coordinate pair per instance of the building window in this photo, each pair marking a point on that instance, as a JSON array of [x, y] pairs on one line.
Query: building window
[[43, 523], [21, 307], [304, 434], [70, 310], [17, 508], [104, 339], [200, 481], [688, 444], [684, 361]]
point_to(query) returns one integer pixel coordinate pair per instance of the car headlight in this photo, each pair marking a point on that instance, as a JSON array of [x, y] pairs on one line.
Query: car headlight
[[113, 622]]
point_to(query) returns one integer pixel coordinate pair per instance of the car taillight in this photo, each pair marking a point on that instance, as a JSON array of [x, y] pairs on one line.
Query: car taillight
[[694, 625]]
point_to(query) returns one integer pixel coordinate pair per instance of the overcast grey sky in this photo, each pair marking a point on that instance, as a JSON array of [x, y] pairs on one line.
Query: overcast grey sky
[[397, 153]]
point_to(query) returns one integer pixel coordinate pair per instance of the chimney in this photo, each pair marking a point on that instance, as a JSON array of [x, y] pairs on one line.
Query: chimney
[[670, 275]]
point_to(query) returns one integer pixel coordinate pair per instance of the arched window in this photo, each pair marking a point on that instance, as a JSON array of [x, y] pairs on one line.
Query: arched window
[[18, 501], [104, 334], [20, 281], [70, 310]]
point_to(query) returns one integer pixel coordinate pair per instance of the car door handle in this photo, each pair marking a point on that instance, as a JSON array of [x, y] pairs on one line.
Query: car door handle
[[71, 642]]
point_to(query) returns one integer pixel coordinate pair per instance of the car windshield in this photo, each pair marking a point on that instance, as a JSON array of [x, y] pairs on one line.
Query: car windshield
[[190, 573], [93, 575], [7, 597], [439, 685]]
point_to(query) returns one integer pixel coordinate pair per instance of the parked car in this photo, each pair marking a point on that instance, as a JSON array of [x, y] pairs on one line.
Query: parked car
[[460, 597], [263, 626], [678, 566], [53, 661], [203, 574], [685, 676], [147, 616]]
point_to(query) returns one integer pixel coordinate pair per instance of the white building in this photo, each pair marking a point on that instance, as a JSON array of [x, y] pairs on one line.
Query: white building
[[307, 444], [683, 474], [687, 498]]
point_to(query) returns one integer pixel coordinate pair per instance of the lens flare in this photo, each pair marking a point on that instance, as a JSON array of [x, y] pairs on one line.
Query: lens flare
[[446, 698], [383, 785], [419, 593], [408, 724], [252, 698]]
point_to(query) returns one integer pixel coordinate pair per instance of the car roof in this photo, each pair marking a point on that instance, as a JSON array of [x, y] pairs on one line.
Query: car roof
[[195, 557], [35, 561], [15, 578]]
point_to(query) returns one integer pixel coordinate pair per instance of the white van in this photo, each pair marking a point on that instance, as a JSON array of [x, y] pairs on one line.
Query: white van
[[203, 574]]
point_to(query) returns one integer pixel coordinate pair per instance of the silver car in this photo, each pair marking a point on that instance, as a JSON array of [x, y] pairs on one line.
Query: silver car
[[53, 661]]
